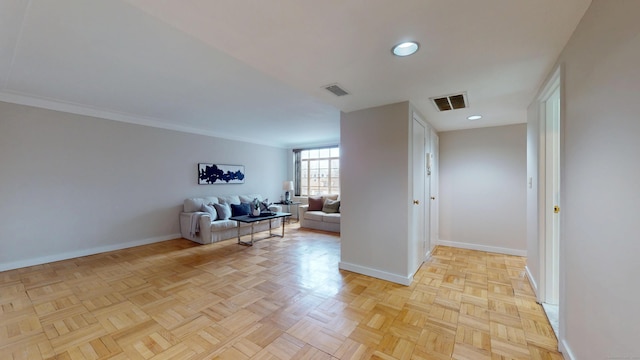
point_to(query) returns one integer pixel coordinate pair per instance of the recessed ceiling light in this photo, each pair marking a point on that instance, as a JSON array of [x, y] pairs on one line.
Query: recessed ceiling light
[[405, 48], [474, 117]]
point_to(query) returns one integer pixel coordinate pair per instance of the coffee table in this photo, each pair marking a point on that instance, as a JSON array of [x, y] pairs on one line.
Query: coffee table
[[249, 219]]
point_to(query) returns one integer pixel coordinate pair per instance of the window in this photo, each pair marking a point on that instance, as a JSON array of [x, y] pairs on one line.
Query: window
[[317, 171]]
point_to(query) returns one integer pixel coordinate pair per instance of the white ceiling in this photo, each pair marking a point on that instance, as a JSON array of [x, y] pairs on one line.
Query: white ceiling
[[254, 70]]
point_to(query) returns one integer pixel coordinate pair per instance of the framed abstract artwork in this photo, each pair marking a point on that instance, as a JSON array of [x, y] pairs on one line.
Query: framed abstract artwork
[[210, 174]]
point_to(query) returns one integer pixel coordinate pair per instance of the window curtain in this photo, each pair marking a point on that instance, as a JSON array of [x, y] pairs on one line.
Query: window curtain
[[297, 172]]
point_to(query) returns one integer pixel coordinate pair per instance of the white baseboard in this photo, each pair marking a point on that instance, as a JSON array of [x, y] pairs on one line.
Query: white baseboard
[[565, 350], [398, 279], [74, 254], [427, 256], [532, 281], [493, 249]]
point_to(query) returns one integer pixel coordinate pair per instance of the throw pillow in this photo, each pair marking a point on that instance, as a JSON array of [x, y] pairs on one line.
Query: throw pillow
[[211, 210], [240, 209], [315, 203], [264, 205], [331, 206], [223, 210]]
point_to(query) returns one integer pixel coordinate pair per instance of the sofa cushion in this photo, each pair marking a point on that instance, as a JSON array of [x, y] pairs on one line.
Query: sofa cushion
[[229, 199], [314, 215], [331, 197], [249, 198], [240, 209], [211, 210], [331, 218], [210, 200], [223, 225], [224, 211], [331, 206], [315, 203], [193, 205]]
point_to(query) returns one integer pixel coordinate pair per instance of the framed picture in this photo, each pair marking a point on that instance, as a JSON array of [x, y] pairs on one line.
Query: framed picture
[[209, 174]]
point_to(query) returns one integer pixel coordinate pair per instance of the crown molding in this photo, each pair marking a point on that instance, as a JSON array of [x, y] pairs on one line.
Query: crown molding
[[80, 109]]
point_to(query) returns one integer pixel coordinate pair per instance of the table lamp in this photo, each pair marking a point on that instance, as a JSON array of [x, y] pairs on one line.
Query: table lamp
[[287, 186]]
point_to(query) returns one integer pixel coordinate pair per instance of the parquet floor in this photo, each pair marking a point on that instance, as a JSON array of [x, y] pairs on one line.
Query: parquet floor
[[280, 299]]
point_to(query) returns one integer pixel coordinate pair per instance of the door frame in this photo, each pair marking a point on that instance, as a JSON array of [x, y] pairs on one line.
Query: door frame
[[552, 196], [554, 84]]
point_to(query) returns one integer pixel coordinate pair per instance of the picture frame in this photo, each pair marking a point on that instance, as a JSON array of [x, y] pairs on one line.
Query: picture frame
[[214, 174]]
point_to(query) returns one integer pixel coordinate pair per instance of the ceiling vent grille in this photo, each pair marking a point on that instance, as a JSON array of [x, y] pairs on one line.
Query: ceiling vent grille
[[451, 102], [336, 90]]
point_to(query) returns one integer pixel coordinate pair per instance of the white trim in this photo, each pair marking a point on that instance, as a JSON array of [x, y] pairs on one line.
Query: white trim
[[493, 249], [427, 256], [550, 85], [565, 350], [92, 251], [532, 281], [541, 201], [79, 109], [398, 279]]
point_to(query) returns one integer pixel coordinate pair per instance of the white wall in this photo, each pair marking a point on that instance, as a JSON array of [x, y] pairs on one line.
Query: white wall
[[482, 189], [72, 185], [374, 175], [600, 240]]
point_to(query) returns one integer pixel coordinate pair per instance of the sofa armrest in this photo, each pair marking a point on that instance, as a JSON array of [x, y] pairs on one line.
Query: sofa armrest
[[205, 228], [190, 224], [275, 208], [185, 226], [302, 209]]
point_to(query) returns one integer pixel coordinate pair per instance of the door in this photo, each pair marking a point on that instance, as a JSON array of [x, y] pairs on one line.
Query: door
[[552, 198], [418, 243], [433, 192]]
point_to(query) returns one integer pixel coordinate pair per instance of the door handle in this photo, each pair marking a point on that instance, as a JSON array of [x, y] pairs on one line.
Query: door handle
[[433, 198], [416, 202]]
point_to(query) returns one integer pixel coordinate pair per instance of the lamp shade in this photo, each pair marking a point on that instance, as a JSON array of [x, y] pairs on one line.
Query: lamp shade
[[287, 185]]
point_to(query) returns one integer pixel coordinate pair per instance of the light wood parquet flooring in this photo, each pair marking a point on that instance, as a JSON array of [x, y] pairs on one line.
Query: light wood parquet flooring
[[280, 299]]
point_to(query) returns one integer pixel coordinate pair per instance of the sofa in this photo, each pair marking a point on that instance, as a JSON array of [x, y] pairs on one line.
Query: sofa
[[200, 220], [321, 213]]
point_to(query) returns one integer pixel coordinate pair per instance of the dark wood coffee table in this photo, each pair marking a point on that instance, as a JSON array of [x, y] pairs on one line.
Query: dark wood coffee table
[[248, 219]]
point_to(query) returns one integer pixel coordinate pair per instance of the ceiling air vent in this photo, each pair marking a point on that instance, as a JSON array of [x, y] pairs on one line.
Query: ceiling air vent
[[450, 102], [336, 90]]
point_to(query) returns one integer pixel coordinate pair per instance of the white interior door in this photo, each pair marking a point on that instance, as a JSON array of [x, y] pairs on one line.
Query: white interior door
[[552, 198], [418, 244], [428, 171], [433, 184]]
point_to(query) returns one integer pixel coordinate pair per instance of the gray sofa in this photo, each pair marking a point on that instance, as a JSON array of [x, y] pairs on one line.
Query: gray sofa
[[197, 225]]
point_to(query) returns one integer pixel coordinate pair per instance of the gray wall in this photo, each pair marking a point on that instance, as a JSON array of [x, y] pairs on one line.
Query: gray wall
[[482, 189], [599, 245], [374, 175], [72, 185]]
